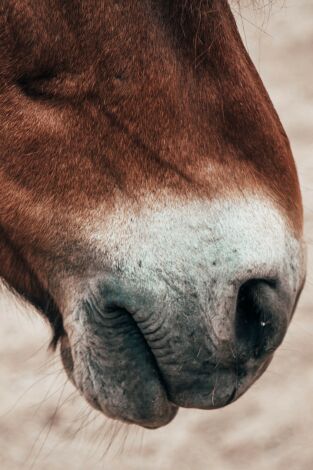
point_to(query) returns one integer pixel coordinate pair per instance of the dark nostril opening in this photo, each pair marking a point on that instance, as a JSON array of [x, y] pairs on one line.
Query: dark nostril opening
[[258, 321]]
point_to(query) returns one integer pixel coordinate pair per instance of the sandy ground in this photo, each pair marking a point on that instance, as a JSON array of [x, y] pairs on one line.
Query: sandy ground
[[44, 424]]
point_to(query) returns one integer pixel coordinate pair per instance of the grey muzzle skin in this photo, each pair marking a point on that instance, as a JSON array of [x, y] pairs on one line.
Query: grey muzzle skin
[[164, 362], [188, 314]]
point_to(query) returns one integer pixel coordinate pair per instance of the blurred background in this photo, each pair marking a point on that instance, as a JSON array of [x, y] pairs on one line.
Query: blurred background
[[45, 424]]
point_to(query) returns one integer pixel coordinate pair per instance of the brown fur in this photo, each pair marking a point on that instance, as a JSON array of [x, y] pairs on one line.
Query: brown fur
[[100, 98]]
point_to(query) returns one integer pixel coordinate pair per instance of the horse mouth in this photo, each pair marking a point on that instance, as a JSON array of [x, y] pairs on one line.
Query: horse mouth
[[109, 383], [163, 410], [167, 409], [144, 396]]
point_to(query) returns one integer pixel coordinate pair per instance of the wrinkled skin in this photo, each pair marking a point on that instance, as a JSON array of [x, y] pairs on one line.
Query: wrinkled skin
[[149, 203]]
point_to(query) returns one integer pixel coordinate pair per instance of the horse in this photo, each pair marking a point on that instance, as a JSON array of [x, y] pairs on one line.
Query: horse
[[150, 207]]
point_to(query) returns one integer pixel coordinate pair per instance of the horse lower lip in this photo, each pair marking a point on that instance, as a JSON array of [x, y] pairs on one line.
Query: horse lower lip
[[114, 355], [232, 397]]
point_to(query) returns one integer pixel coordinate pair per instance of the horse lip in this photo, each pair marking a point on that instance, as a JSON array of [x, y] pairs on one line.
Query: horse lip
[[244, 376], [232, 396], [173, 402], [155, 425], [95, 401]]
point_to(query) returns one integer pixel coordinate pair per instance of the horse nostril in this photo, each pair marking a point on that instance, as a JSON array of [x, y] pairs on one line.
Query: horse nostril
[[261, 319]]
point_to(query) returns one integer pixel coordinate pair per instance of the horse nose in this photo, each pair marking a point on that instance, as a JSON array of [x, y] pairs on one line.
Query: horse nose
[[263, 310]]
